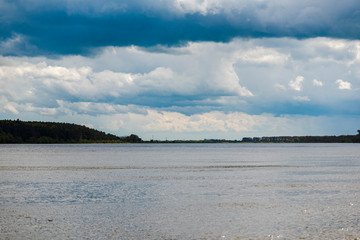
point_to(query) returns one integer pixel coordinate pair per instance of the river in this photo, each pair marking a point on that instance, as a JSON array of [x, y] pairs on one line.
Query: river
[[180, 191]]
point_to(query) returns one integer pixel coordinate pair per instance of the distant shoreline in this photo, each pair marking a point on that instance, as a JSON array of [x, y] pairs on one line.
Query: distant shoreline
[[16, 131], [28, 132]]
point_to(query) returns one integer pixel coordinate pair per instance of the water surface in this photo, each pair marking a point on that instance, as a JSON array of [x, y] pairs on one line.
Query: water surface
[[180, 191]]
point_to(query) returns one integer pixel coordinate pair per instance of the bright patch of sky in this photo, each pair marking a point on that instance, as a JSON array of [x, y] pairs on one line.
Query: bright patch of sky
[[231, 69]]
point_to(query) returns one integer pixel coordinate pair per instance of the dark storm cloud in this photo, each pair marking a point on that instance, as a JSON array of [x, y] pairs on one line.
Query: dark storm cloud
[[77, 27]]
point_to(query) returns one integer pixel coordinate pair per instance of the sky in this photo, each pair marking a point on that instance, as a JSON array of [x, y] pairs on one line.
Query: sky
[[183, 69]]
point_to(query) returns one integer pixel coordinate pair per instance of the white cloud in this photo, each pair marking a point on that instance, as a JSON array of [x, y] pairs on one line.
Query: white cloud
[[93, 108], [204, 124], [19, 108], [48, 111], [343, 85], [317, 83], [228, 80], [204, 7], [211, 121], [297, 83], [11, 108], [211, 65], [16, 44], [25, 81], [262, 55], [280, 87], [329, 51], [301, 98]]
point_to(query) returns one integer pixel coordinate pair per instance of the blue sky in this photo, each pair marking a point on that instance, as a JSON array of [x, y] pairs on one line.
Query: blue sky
[[183, 69]]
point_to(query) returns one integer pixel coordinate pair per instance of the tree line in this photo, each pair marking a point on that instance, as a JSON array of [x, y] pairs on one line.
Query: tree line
[[16, 131], [307, 139]]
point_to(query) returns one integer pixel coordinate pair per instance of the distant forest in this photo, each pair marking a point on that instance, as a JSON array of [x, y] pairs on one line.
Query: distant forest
[[52, 132], [16, 131], [307, 139]]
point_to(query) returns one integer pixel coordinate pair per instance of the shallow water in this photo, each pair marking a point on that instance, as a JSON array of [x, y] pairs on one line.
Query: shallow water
[[180, 191]]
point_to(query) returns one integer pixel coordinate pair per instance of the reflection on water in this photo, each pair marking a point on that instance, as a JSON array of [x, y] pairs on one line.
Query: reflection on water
[[180, 191]]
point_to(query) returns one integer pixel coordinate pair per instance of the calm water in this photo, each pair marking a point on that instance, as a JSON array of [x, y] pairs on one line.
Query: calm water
[[180, 191]]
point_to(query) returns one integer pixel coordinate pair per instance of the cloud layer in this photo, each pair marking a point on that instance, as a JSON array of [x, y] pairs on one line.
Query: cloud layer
[[76, 27], [250, 87]]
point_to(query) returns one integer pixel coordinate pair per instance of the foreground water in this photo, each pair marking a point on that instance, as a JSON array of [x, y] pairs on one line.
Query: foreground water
[[180, 191]]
